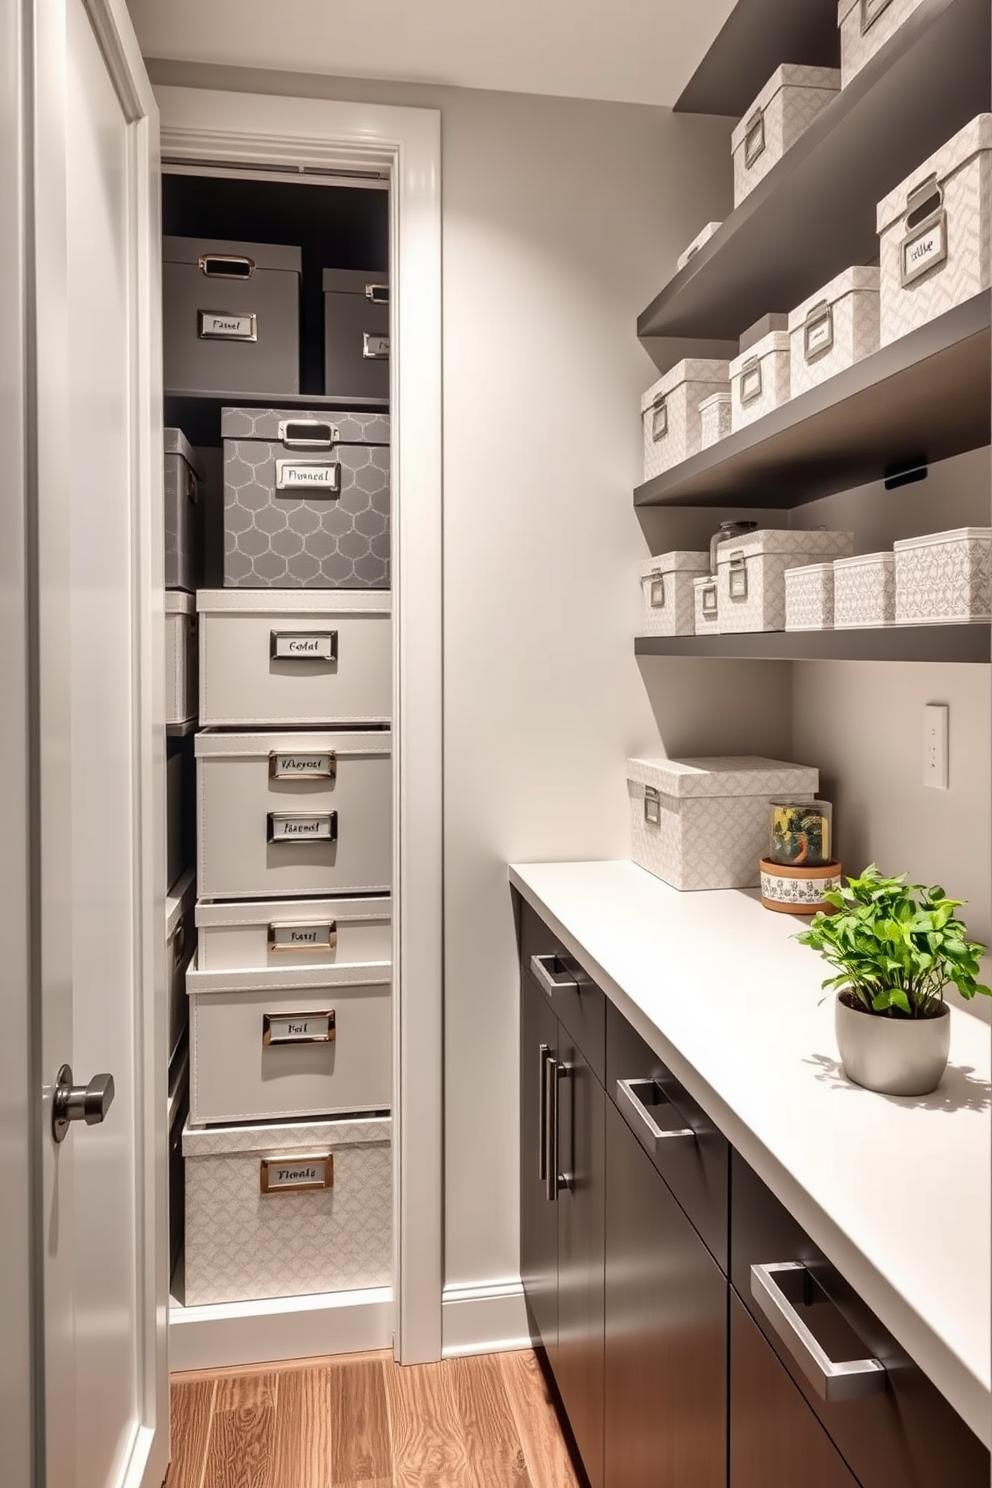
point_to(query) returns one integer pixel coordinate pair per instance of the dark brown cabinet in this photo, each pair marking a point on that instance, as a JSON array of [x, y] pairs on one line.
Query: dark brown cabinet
[[538, 1214]]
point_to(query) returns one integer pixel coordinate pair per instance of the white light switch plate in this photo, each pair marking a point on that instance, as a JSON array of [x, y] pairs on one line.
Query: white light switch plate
[[935, 730]]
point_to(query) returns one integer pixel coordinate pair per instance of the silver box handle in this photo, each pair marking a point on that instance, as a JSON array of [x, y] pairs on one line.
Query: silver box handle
[[378, 294], [551, 984], [651, 1136], [307, 433], [849, 1380], [226, 265]]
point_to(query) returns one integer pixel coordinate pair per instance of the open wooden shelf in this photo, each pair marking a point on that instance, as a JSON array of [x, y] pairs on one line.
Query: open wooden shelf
[[969, 643], [814, 213], [925, 396]]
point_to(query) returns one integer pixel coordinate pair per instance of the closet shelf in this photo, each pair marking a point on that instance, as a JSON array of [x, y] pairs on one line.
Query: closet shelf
[[925, 396], [198, 414], [969, 643], [757, 37], [814, 213]]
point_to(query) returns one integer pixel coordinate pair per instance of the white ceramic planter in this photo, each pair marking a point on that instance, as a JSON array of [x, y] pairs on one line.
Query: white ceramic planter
[[895, 1056]]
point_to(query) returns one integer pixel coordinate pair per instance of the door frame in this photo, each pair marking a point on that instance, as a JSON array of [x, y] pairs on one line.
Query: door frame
[[211, 127]]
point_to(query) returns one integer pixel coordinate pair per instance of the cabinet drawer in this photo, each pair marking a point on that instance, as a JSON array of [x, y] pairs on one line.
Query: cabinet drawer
[[578, 1003], [684, 1145], [901, 1433]]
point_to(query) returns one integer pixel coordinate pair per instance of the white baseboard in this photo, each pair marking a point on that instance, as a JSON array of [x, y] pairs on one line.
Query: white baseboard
[[288, 1328], [483, 1318]]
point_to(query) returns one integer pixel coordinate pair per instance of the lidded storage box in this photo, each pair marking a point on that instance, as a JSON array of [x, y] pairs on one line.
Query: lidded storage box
[[708, 232], [666, 586], [336, 936], [865, 27], [306, 499], [935, 233], [183, 514], [759, 379], [356, 334], [670, 412], [705, 605], [703, 823], [944, 577], [781, 113], [231, 321], [715, 415], [180, 657], [809, 597], [180, 943], [752, 569], [285, 1211], [864, 591], [834, 328]]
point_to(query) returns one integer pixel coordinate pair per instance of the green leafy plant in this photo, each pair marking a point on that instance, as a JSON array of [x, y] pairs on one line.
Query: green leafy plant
[[896, 946]]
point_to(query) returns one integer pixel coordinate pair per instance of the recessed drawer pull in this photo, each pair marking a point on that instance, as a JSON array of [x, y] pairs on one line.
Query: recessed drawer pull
[[543, 968], [631, 1098], [774, 1287]]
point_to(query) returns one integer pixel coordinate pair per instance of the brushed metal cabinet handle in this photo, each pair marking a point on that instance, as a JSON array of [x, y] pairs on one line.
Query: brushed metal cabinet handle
[[551, 1129], [547, 980], [544, 1054], [647, 1131], [850, 1379]]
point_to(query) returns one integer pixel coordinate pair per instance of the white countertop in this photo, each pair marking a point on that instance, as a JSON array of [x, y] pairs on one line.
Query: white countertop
[[895, 1191]]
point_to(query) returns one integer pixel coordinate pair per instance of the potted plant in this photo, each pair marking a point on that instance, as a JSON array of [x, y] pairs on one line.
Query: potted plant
[[896, 947]]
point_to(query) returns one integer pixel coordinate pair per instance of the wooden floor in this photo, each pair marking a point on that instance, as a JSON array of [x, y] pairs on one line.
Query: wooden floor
[[362, 1421]]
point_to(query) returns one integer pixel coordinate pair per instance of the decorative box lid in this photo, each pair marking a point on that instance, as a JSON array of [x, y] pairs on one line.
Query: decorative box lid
[[965, 145], [178, 602], [360, 282], [209, 744], [285, 911], [860, 278], [789, 75], [275, 979], [334, 425], [704, 579], [774, 321], [695, 369], [176, 443], [956, 535], [775, 341], [179, 902], [679, 562], [795, 573], [697, 243], [715, 400], [274, 1140], [795, 542], [310, 603], [263, 255], [860, 560], [730, 775]]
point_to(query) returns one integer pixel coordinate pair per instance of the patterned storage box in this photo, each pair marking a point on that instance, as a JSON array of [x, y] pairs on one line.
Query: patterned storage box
[[180, 943], [705, 605], [708, 231], [337, 936], [865, 27], [306, 499], [781, 113], [935, 233], [833, 329], [716, 419], [759, 379], [703, 823], [751, 574], [183, 514], [944, 577], [181, 657], [666, 587], [864, 591], [809, 597], [670, 413], [287, 1211]]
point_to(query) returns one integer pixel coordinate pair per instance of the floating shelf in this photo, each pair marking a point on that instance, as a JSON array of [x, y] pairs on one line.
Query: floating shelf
[[757, 37], [198, 413], [814, 213], [969, 643], [926, 396]]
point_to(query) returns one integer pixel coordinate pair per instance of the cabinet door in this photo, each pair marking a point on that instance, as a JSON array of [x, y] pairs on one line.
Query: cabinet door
[[666, 1332], [775, 1439], [581, 1241], [538, 1211]]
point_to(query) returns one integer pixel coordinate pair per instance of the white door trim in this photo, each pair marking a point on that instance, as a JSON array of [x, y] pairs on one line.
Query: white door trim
[[210, 126]]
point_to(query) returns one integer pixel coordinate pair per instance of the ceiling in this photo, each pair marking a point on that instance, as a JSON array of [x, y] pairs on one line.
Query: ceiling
[[635, 51]]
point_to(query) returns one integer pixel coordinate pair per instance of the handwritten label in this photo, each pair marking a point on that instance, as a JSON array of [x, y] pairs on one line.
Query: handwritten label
[[218, 325], [321, 645], [299, 1174], [922, 252], [298, 1028], [819, 335], [295, 475], [284, 827], [303, 766]]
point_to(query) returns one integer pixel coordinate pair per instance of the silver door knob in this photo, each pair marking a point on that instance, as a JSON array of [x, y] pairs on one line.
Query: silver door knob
[[89, 1103]]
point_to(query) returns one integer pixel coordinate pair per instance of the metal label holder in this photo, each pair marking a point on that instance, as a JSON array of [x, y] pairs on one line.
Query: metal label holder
[[290, 1029], [652, 805], [659, 419], [285, 765], [709, 602], [737, 578], [227, 325], [307, 475], [658, 591], [296, 1174], [754, 139], [303, 645], [818, 332], [303, 936], [375, 348], [301, 826], [925, 243], [751, 381]]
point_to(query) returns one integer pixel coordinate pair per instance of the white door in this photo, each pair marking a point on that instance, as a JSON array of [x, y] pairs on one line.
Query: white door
[[100, 744]]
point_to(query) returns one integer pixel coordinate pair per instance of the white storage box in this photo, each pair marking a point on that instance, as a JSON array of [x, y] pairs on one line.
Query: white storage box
[[180, 657], [809, 597], [704, 823], [284, 815], [782, 112], [944, 577], [751, 575], [715, 416], [180, 943], [294, 657], [833, 329], [864, 591], [865, 27], [666, 587], [705, 605], [670, 412], [286, 1211], [266, 1045], [337, 936], [180, 792], [935, 233], [697, 243], [759, 379]]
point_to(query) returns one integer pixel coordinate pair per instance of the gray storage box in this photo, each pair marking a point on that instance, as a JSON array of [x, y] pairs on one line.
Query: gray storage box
[[306, 499], [232, 316], [183, 514], [356, 334]]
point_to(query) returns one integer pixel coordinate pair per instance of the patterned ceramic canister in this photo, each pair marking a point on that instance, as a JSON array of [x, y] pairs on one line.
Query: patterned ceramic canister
[[797, 891]]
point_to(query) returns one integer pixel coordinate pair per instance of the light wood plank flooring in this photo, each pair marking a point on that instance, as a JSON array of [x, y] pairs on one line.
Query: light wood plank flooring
[[362, 1421]]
